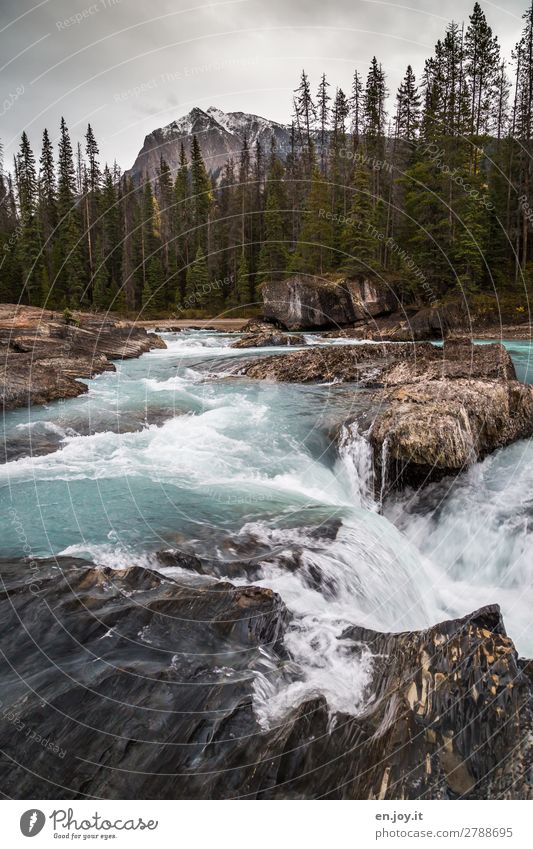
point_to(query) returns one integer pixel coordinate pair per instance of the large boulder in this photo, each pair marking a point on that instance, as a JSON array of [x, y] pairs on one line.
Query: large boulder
[[385, 364], [307, 302], [434, 428], [269, 338]]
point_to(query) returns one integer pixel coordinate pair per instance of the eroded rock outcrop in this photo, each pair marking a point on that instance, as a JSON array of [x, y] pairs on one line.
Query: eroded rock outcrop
[[434, 428], [305, 301], [42, 353], [129, 684], [440, 408]]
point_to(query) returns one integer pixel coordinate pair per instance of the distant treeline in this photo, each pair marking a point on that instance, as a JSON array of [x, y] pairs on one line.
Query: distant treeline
[[438, 191]]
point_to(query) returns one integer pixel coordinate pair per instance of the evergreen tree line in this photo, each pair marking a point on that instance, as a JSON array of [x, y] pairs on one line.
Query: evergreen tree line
[[438, 190]]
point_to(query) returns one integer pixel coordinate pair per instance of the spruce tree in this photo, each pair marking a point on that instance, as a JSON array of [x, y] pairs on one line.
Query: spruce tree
[[356, 108], [323, 111], [47, 212], [166, 199], [359, 239], [407, 119], [197, 291], [182, 222], [305, 115], [91, 199], [69, 284], [242, 285], [313, 253], [202, 198], [274, 254], [482, 54], [28, 243]]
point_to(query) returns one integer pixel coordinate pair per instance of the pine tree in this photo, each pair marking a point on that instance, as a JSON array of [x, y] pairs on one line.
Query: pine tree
[[154, 297], [305, 116], [28, 243], [197, 292], [359, 234], [374, 102], [407, 119], [313, 253], [243, 282], [166, 198], [523, 131], [482, 55], [47, 212], [356, 107], [68, 286], [91, 189], [132, 244], [274, 255], [182, 222], [323, 110], [108, 247], [202, 198]]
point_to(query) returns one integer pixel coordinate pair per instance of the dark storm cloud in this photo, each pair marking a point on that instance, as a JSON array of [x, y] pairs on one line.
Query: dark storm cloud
[[127, 66]]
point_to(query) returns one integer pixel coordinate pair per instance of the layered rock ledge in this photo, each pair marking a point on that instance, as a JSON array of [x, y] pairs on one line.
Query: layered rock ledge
[[148, 692], [43, 353], [439, 408]]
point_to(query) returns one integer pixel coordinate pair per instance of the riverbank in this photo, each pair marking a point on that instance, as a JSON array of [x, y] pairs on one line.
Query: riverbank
[[236, 325], [172, 325], [44, 353]]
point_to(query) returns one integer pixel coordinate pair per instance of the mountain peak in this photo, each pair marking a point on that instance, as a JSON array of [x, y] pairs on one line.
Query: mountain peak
[[220, 135]]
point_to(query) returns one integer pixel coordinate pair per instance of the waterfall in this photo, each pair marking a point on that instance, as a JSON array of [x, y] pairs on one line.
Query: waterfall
[[356, 461]]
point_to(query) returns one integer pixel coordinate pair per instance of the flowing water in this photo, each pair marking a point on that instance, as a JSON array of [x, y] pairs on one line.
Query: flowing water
[[175, 449]]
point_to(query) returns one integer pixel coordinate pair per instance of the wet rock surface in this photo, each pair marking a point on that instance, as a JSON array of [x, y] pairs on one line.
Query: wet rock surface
[[305, 301], [265, 336], [43, 354], [132, 684]]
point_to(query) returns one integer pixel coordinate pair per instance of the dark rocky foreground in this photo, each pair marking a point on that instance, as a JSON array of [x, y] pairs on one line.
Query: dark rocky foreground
[[128, 684], [438, 409], [43, 354]]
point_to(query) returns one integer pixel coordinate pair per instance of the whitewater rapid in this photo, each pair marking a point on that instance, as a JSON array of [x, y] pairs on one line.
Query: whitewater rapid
[[175, 449]]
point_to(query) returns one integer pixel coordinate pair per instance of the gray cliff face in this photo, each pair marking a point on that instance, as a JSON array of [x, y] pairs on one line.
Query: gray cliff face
[[307, 302], [220, 135]]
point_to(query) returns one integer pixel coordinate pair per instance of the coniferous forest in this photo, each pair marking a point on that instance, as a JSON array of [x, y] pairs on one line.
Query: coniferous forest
[[428, 186]]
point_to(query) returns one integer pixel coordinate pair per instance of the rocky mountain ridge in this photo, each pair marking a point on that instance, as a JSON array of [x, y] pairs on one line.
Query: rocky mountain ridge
[[220, 134]]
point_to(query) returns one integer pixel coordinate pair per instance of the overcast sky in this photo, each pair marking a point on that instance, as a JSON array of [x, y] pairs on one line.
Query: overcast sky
[[129, 66]]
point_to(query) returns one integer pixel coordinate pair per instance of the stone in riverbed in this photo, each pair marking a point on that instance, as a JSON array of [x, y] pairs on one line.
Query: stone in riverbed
[[385, 364], [267, 339], [441, 409]]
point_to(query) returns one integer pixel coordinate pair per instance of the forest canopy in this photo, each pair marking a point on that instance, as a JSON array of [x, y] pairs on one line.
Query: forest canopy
[[430, 183]]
